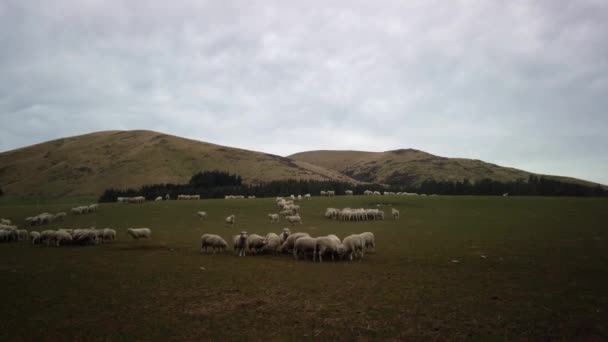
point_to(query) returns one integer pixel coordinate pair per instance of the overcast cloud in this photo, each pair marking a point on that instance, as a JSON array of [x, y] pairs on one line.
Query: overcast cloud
[[517, 83]]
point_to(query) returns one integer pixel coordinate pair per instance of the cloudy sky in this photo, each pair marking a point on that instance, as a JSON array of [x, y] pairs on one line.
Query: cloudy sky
[[518, 83]]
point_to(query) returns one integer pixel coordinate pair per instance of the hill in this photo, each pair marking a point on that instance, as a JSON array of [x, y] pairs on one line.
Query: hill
[[412, 167], [88, 164]]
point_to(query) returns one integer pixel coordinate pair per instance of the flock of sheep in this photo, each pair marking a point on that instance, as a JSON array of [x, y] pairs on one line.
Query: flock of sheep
[[299, 244]]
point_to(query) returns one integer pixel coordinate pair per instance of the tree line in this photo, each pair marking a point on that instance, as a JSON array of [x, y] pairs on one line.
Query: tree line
[[217, 184]]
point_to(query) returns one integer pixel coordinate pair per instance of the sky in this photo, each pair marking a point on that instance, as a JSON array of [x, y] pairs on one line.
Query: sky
[[516, 83]]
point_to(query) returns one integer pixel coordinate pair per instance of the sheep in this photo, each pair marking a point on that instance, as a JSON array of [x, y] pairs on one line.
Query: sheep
[[158, 199], [35, 237], [304, 245], [323, 193], [330, 244], [140, 233], [299, 198], [202, 215], [8, 233], [22, 234], [77, 210], [240, 243], [307, 196], [287, 246], [61, 235], [108, 234], [47, 236], [331, 193], [369, 240], [294, 219], [85, 236], [93, 207], [348, 192], [353, 245], [255, 243], [231, 220], [273, 218], [395, 213], [5, 221], [167, 197], [273, 243], [216, 242], [284, 234], [60, 215]]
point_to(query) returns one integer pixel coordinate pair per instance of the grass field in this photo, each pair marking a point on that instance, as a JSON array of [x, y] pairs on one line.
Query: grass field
[[544, 275]]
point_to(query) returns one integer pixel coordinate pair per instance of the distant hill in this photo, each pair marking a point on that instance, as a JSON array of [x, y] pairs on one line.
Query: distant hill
[[88, 164], [411, 167]]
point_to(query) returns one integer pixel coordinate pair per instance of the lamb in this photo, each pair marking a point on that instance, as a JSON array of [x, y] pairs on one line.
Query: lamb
[[369, 240], [216, 242], [330, 244], [273, 243], [61, 235], [140, 233], [273, 218], [231, 220], [202, 215], [395, 213], [304, 245], [108, 235], [284, 234], [291, 240], [294, 219], [353, 245], [256, 243], [240, 243], [158, 199], [35, 237]]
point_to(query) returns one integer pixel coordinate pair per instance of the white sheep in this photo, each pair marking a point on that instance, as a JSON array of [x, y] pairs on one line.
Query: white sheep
[[274, 218], [348, 192], [35, 237], [231, 220], [284, 234], [158, 199], [255, 243], [87, 236], [307, 196], [304, 245], [290, 241], [353, 246], [5, 221], [395, 213], [330, 244], [294, 219], [202, 215], [216, 242], [240, 243], [61, 235], [140, 233], [60, 215], [47, 237], [108, 235], [93, 207], [22, 234], [369, 240], [273, 243]]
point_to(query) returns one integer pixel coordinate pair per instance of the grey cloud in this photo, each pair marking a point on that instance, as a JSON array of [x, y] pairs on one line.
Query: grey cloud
[[522, 84]]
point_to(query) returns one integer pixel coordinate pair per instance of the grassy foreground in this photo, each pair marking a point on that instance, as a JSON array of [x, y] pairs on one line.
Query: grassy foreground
[[544, 275]]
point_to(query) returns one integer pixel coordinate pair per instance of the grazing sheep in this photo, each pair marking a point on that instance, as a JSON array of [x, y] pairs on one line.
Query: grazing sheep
[[22, 234], [216, 242], [202, 215], [93, 207], [331, 245], [158, 199], [5, 221], [369, 240], [240, 243], [273, 243], [60, 216], [47, 237], [140, 233], [395, 213], [294, 219], [167, 197], [108, 235], [274, 218], [307, 196], [353, 246], [61, 235], [255, 243], [291, 240], [85, 236], [231, 220], [35, 237], [348, 192], [304, 245], [284, 234]]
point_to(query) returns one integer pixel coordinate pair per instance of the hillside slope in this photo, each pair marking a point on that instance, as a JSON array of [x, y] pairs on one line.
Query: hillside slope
[[411, 167], [88, 164]]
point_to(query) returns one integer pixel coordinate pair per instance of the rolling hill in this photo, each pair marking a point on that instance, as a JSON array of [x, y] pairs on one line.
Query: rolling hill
[[88, 164], [411, 167]]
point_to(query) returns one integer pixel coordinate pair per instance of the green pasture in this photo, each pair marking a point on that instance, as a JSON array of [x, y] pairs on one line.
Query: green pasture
[[452, 268]]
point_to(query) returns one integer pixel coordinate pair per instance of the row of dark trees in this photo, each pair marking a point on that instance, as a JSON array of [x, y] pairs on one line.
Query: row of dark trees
[[217, 184]]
